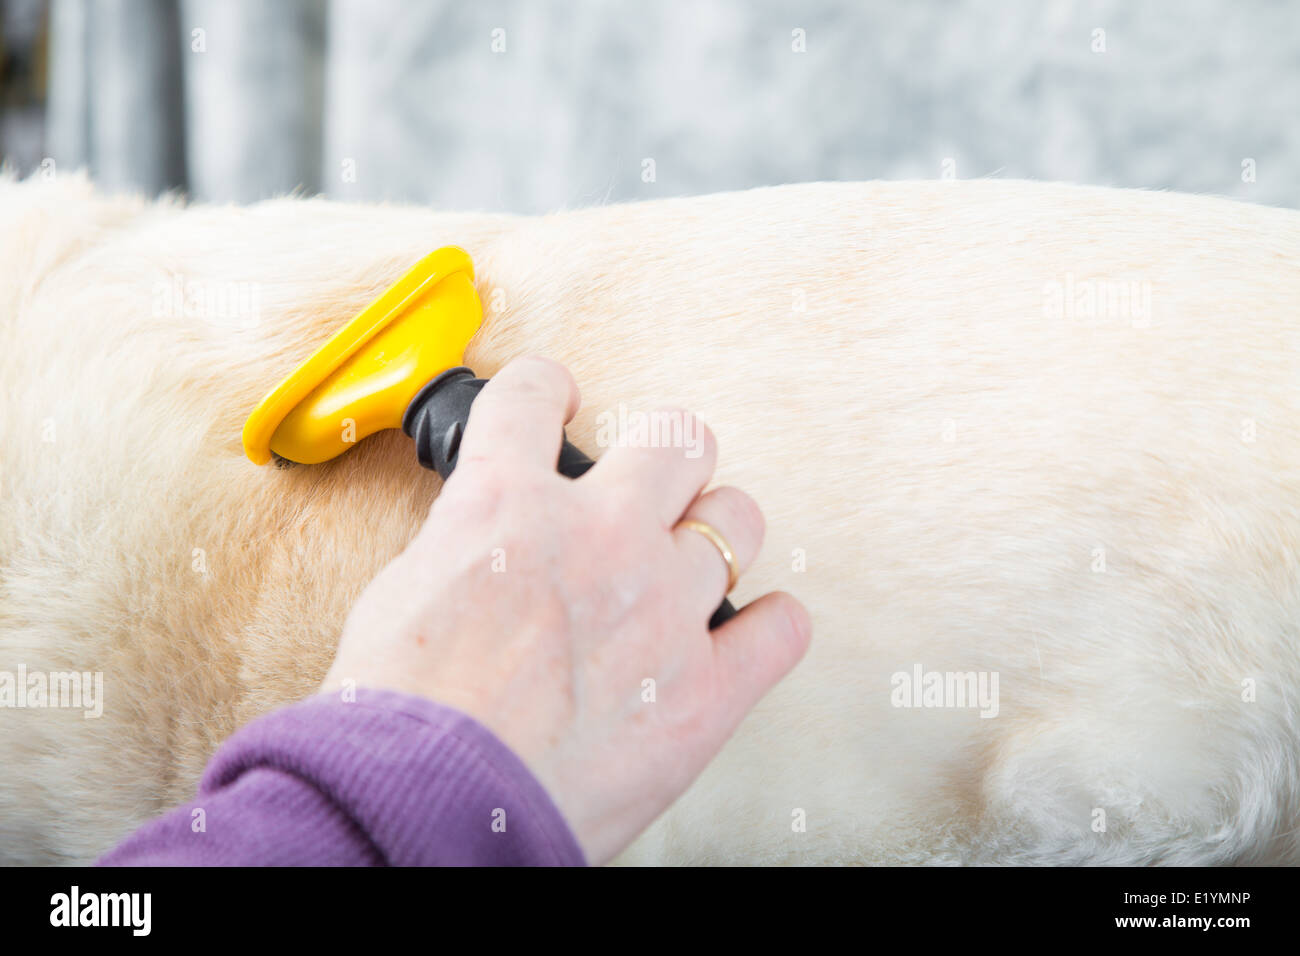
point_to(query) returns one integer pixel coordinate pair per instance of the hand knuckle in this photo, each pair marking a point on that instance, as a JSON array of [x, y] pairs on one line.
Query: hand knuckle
[[745, 512]]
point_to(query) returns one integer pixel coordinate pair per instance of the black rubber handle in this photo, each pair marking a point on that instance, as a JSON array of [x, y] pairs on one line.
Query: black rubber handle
[[436, 420]]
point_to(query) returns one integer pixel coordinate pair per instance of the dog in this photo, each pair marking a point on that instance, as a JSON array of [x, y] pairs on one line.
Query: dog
[[1028, 453]]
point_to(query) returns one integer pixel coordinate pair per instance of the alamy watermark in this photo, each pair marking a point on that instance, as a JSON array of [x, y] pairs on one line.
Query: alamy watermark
[[1098, 300], [227, 305], [946, 689], [71, 690], [133, 911], [622, 428]]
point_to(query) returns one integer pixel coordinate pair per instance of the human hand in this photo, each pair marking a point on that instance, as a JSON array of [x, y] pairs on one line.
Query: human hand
[[540, 605]]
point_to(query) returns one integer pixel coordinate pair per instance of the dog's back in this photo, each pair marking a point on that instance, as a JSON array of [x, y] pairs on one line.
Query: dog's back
[[1034, 441]]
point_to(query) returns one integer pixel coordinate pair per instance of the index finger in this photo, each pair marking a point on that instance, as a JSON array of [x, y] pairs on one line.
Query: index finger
[[518, 419]]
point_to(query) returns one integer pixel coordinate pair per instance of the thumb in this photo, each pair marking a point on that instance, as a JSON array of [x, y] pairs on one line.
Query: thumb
[[759, 646]]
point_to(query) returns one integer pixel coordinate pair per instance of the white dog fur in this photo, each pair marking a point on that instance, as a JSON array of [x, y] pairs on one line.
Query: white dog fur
[[1042, 431]]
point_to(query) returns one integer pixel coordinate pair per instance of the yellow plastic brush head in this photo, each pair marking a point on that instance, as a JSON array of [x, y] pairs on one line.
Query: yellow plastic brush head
[[362, 379]]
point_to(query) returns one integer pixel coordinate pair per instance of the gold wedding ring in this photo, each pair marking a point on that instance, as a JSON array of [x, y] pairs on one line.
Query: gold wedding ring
[[719, 542]]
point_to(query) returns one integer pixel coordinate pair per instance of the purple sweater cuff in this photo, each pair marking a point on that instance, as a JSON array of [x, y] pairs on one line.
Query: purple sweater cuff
[[387, 779]]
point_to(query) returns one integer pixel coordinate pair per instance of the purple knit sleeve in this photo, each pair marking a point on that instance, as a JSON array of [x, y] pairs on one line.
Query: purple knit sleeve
[[386, 779]]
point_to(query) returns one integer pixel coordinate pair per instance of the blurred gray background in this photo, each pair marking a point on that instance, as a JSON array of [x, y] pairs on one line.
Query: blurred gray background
[[537, 106]]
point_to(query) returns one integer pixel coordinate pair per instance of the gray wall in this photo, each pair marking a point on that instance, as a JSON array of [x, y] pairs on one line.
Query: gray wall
[[411, 98]]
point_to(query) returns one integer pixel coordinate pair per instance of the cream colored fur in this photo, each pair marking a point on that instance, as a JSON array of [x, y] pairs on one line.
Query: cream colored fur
[[949, 455]]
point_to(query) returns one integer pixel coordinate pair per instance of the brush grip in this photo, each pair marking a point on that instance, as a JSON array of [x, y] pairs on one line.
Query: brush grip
[[436, 419]]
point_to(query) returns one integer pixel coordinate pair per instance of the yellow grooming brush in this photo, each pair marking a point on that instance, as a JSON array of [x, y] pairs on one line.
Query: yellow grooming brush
[[396, 365], [363, 379]]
